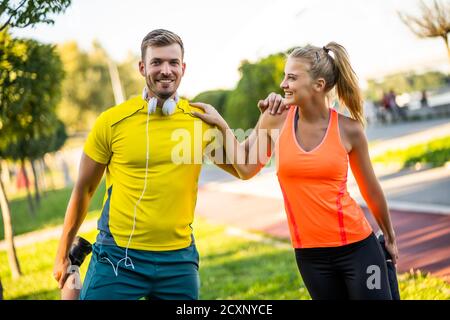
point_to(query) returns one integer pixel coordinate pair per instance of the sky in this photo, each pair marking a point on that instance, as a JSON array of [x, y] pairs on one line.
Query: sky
[[218, 35]]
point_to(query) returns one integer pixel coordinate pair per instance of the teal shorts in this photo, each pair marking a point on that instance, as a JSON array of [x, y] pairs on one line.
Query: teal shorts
[[169, 275]]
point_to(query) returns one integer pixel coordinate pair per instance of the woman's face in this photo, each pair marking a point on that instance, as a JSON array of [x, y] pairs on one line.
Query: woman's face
[[297, 83]]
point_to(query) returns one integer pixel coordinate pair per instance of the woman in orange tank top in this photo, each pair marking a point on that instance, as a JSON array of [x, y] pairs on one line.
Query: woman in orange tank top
[[314, 145]]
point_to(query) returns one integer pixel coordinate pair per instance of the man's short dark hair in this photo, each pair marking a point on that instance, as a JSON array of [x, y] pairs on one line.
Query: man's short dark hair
[[160, 38]]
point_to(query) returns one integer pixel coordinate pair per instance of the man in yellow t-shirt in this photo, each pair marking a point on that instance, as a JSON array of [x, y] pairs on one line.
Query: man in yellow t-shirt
[[151, 148]]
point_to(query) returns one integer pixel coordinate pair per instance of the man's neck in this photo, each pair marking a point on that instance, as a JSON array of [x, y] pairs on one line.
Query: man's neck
[[160, 101]]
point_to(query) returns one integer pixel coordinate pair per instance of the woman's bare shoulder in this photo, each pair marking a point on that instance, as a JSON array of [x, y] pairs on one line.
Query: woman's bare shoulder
[[352, 131], [350, 126]]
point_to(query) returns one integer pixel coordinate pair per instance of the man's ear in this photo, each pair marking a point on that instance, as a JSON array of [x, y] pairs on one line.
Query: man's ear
[[142, 68], [183, 67]]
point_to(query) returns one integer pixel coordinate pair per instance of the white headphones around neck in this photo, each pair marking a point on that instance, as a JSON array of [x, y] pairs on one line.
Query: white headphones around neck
[[168, 107]]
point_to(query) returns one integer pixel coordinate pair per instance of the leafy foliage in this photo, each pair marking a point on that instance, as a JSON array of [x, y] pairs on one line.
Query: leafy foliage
[[81, 100], [132, 80], [435, 153], [29, 12], [257, 81], [30, 86], [217, 98]]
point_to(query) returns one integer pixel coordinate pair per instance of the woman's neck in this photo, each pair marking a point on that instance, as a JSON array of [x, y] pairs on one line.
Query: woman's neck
[[314, 111]]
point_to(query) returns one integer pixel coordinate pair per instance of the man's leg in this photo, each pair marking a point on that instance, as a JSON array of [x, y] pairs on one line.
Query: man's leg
[[176, 276], [101, 282]]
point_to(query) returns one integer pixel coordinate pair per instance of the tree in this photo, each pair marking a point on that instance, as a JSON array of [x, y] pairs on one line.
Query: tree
[[26, 13], [30, 90], [433, 22], [257, 80], [35, 149], [217, 98], [82, 101], [30, 79], [55, 143], [29, 12], [132, 80], [9, 235]]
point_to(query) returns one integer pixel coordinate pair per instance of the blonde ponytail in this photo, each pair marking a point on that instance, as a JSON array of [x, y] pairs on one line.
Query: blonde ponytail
[[335, 71], [347, 87]]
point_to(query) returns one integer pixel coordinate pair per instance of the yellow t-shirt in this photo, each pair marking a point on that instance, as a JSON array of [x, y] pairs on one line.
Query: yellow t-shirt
[[176, 144]]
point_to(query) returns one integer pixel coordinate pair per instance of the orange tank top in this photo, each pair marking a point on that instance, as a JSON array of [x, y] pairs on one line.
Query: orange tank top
[[319, 209]]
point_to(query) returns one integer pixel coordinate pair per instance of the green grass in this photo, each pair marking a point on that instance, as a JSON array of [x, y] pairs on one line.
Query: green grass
[[230, 268], [435, 153], [50, 212], [236, 268], [419, 286]]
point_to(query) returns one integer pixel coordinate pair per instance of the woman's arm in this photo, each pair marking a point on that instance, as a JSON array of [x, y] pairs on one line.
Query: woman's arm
[[228, 167], [248, 157], [369, 186]]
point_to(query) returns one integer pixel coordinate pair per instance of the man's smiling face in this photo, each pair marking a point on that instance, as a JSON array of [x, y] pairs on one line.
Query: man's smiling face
[[163, 69]]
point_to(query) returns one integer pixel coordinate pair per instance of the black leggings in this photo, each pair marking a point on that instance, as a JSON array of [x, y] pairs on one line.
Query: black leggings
[[354, 271]]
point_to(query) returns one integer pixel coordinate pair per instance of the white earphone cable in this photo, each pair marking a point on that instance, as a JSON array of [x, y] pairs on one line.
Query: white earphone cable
[[127, 258]]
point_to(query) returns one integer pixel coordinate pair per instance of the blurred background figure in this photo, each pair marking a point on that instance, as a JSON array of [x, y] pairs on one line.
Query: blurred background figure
[[424, 100], [392, 105]]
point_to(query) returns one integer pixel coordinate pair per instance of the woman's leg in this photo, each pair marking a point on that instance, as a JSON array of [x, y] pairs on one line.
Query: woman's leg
[[364, 269], [321, 279]]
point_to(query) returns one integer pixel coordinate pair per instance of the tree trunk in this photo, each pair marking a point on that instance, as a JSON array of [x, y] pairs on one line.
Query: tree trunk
[[37, 196], [115, 81], [42, 177], [446, 45], [9, 236], [27, 185], [50, 172]]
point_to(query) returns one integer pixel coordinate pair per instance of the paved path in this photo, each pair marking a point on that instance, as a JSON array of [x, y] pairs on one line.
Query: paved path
[[46, 234], [383, 132], [396, 137]]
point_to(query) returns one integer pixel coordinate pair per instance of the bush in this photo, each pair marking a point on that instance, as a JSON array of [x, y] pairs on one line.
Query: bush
[[435, 153]]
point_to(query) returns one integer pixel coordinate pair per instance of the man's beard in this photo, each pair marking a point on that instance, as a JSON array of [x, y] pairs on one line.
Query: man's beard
[[158, 94], [165, 96]]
